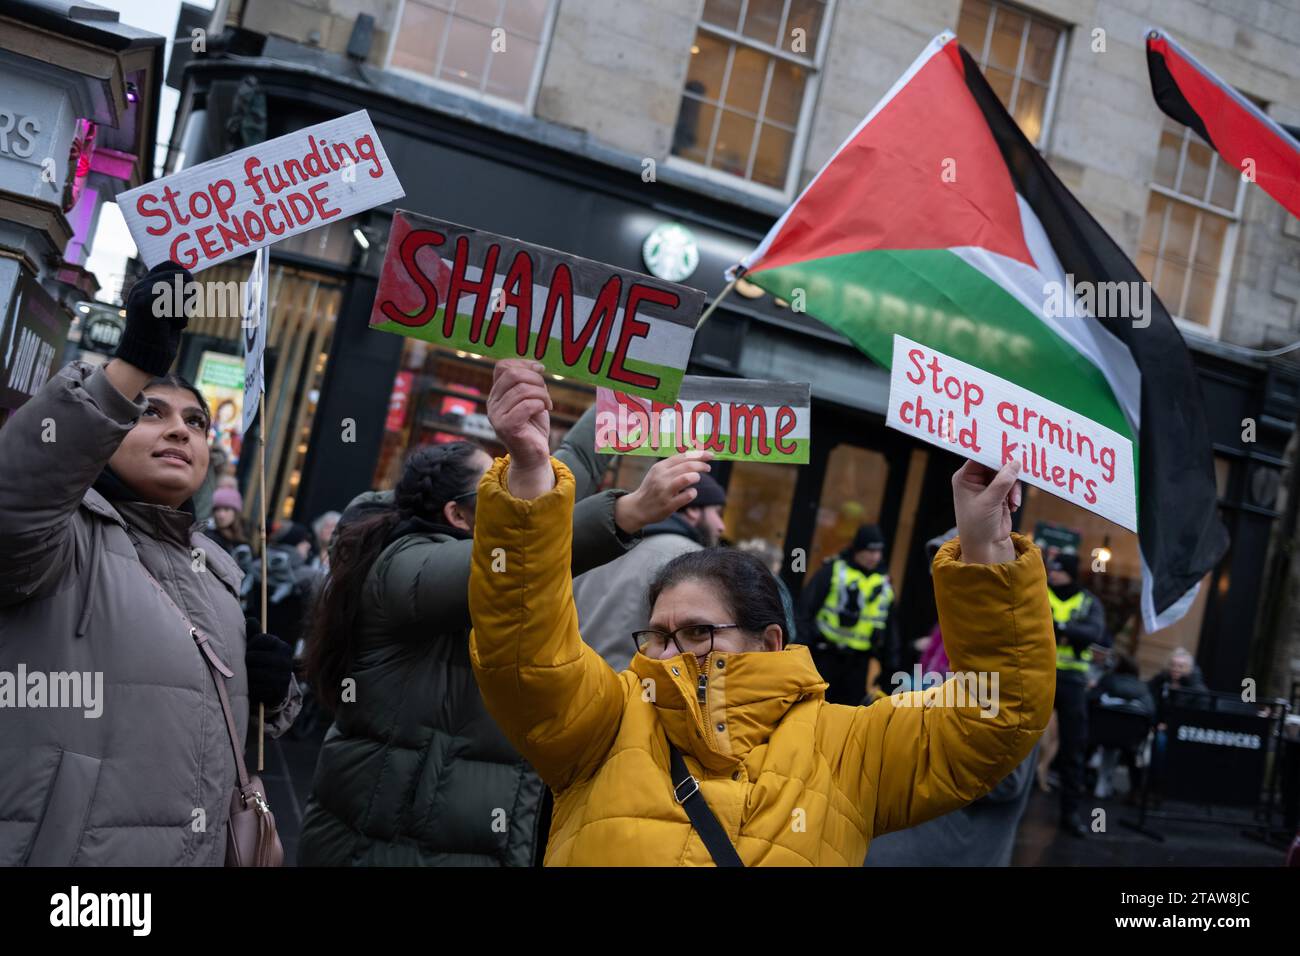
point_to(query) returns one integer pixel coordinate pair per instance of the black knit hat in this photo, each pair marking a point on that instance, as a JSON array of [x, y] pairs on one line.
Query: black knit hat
[[867, 538], [1069, 563], [707, 492]]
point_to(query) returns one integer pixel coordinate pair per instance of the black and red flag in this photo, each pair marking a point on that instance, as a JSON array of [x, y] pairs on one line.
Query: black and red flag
[[1234, 127]]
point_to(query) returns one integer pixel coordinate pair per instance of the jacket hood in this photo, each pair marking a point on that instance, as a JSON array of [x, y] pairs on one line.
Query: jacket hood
[[748, 694], [673, 524]]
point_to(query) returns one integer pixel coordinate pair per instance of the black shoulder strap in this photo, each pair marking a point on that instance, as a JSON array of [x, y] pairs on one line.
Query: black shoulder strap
[[686, 789]]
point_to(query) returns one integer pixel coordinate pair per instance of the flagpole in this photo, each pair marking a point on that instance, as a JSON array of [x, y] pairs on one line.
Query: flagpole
[[261, 484], [714, 304]]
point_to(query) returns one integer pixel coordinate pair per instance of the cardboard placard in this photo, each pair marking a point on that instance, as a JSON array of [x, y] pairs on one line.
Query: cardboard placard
[[261, 194], [981, 416], [740, 419], [582, 319]]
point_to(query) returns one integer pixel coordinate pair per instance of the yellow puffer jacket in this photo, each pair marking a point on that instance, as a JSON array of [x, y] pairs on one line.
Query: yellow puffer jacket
[[793, 780]]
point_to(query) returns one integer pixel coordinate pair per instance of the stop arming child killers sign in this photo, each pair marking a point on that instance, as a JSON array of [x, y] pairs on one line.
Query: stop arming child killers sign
[[740, 419], [255, 196], [973, 413], [503, 298]]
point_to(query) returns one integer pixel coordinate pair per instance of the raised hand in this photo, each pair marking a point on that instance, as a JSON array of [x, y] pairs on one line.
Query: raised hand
[[667, 487], [983, 500], [519, 408]]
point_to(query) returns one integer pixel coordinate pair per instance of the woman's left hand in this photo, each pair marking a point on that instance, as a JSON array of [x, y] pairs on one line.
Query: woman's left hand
[[269, 662], [983, 500]]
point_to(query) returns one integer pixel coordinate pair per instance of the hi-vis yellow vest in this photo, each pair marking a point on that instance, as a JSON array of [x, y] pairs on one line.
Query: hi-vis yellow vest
[[1062, 613], [855, 608]]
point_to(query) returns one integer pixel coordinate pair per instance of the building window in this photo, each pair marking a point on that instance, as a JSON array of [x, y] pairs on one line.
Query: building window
[[1190, 227], [749, 88], [1020, 55], [491, 48]]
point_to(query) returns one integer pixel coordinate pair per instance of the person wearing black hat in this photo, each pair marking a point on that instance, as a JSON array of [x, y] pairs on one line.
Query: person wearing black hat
[[605, 611], [1080, 623], [846, 617]]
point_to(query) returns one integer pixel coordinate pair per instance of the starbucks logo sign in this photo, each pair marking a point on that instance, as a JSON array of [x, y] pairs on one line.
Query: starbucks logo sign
[[670, 252]]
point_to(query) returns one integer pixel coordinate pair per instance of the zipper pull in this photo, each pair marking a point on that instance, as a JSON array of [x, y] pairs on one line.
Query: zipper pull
[[703, 689]]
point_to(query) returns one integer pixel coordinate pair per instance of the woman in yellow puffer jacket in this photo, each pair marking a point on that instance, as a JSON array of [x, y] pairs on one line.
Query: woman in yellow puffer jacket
[[792, 779]]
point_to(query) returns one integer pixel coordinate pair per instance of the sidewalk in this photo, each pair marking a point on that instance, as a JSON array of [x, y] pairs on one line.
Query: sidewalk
[[1040, 843], [290, 764]]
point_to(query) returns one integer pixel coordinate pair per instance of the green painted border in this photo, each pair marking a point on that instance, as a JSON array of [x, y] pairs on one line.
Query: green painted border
[[670, 379]]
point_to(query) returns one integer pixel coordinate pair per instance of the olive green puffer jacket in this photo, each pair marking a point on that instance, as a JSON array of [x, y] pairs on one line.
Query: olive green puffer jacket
[[415, 771]]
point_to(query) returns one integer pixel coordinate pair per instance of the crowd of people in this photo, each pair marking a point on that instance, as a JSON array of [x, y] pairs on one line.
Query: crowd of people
[[520, 666]]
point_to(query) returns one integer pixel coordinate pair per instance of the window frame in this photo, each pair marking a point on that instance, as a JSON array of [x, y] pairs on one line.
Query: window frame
[[534, 84], [1227, 255], [1058, 61], [807, 106]]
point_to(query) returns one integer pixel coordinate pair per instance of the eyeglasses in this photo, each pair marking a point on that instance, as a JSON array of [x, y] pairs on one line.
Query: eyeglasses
[[468, 494], [694, 639]]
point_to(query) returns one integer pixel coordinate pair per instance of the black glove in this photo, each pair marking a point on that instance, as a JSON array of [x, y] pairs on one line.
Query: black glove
[[148, 342], [270, 664]]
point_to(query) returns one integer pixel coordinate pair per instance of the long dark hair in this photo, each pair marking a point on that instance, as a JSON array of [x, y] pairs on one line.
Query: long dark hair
[[433, 475], [742, 580]]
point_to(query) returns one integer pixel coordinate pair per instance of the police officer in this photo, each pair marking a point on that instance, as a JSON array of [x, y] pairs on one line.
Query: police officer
[[845, 617], [1080, 623]]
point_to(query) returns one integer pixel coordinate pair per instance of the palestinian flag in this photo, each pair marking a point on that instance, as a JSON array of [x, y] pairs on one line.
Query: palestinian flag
[[1232, 125], [938, 220]]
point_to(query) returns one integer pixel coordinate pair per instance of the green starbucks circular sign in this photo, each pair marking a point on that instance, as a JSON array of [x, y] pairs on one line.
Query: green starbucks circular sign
[[670, 252]]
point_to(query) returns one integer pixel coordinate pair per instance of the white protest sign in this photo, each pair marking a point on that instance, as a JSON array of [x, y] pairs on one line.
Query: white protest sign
[[978, 415], [258, 195], [254, 334]]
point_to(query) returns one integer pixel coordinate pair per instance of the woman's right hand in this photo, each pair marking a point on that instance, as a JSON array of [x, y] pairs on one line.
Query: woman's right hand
[[519, 408], [667, 487]]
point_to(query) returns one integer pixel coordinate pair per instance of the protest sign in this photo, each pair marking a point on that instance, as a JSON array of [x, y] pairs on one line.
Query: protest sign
[[503, 298], [254, 336], [740, 419], [974, 413], [255, 196]]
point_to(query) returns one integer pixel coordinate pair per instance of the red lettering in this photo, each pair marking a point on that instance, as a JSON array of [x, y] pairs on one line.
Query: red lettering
[[916, 355], [223, 199], [413, 242], [902, 414], [558, 295], [321, 201], [753, 418], [631, 416], [229, 236], [266, 217], [1090, 495], [679, 424], [187, 258], [714, 440], [303, 216], [636, 328], [209, 249], [153, 214], [786, 419], [1057, 474], [517, 292], [171, 196], [598, 323], [459, 284]]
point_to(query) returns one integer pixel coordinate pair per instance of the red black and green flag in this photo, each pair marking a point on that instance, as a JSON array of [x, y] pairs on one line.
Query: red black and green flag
[[938, 220], [1232, 125]]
